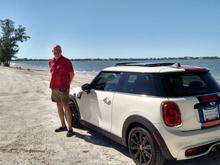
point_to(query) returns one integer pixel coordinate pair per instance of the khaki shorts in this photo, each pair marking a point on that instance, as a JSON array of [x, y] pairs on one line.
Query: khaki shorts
[[58, 95]]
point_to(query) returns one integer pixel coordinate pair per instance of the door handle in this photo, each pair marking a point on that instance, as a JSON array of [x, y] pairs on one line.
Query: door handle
[[107, 101]]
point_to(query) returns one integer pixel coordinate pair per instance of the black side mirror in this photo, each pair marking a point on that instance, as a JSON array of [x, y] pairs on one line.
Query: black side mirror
[[86, 87]]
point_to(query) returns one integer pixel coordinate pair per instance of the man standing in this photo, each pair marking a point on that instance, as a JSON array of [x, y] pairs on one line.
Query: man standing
[[62, 73]]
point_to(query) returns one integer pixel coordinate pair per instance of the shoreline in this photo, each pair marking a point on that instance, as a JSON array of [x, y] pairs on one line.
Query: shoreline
[[86, 73], [90, 75], [93, 67], [129, 59], [80, 73]]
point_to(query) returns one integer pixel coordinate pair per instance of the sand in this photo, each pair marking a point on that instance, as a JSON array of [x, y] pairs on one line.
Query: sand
[[28, 119]]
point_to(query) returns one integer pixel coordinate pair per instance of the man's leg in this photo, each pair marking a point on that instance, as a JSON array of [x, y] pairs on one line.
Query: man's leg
[[68, 115], [61, 113]]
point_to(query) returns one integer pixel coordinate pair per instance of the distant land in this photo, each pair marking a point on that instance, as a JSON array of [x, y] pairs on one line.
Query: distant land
[[124, 59]]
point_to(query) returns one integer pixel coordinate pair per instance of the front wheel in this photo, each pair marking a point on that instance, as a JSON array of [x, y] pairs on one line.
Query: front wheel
[[143, 149], [75, 114]]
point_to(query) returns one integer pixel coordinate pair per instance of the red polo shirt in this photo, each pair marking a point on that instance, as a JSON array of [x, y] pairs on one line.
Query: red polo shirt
[[60, 73]]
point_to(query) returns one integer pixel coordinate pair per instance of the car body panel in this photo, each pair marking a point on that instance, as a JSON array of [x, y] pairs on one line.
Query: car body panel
[[95, 110], [159, 69], [189, 115], [132, 104]]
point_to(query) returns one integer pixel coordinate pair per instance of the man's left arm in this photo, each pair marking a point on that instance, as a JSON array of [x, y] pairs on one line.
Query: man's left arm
[[70, 70], [71, 74]]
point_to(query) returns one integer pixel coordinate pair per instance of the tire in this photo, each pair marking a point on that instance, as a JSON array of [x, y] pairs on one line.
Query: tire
[[143, 149], [75, 114]]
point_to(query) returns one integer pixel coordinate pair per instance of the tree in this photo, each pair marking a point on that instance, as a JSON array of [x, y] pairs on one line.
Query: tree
[[9, 38]]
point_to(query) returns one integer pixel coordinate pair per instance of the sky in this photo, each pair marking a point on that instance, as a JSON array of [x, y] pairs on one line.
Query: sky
[[116, 28]]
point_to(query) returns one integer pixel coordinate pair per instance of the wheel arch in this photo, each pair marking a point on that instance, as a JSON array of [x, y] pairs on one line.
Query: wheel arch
[[136, 120], [73, 99]]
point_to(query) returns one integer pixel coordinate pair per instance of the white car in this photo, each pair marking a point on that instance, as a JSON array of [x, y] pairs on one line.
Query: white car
[[159, 111]]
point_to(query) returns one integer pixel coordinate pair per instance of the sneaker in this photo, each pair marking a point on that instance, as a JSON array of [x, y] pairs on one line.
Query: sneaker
[[60, 129], [69, 133]]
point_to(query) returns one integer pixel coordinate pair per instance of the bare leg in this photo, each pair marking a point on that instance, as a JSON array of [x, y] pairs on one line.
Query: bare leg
[[61, 113], [68, 115]]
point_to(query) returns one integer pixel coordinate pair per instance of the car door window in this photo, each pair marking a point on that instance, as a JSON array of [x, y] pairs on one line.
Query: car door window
[[137, 83], [106, 81]]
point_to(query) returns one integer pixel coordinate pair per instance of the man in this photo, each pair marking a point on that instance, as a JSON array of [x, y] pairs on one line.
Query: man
[[62, 73]]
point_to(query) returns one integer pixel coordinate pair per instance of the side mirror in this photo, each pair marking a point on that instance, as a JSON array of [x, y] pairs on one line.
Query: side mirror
[[86, 87]]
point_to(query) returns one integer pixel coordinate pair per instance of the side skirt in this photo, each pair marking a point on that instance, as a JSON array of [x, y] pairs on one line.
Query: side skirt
[[103, 132]]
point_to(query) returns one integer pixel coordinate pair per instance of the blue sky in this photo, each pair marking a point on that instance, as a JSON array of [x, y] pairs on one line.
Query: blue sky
[[117, 28]]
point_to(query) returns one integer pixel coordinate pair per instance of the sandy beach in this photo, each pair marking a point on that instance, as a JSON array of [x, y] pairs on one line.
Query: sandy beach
[[28, 119]]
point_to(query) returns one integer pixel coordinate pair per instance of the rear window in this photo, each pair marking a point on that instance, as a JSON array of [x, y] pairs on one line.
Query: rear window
[[189, 84]]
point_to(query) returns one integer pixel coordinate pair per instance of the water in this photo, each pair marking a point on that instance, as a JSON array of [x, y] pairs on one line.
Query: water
[[93, 67]]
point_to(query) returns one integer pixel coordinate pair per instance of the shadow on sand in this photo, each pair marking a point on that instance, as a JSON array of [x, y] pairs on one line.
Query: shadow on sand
[[101, 140]]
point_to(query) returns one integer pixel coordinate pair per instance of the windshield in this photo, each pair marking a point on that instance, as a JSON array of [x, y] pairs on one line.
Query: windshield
[[189, 84]]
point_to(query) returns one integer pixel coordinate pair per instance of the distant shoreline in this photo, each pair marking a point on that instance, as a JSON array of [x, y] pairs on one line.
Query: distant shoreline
[[125, 59]]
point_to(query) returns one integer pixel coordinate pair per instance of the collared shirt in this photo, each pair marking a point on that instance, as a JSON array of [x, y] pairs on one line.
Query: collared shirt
[[60, 73]]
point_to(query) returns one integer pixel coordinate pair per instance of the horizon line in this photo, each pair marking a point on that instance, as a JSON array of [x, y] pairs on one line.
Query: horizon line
[[147, 58]]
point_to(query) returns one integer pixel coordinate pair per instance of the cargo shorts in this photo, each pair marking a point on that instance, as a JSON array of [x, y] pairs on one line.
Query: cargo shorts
[[60, 95]]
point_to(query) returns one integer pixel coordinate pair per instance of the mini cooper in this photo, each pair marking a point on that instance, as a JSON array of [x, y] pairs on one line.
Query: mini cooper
[[160, 111]]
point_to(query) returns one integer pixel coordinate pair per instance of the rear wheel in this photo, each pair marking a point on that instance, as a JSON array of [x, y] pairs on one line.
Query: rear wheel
[[143, 149], [75, 114]]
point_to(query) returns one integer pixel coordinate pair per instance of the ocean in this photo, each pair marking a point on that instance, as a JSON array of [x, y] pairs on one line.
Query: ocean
[[93, 67]]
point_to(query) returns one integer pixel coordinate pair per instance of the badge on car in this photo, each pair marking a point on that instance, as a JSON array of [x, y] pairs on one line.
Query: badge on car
[[212, 103]]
